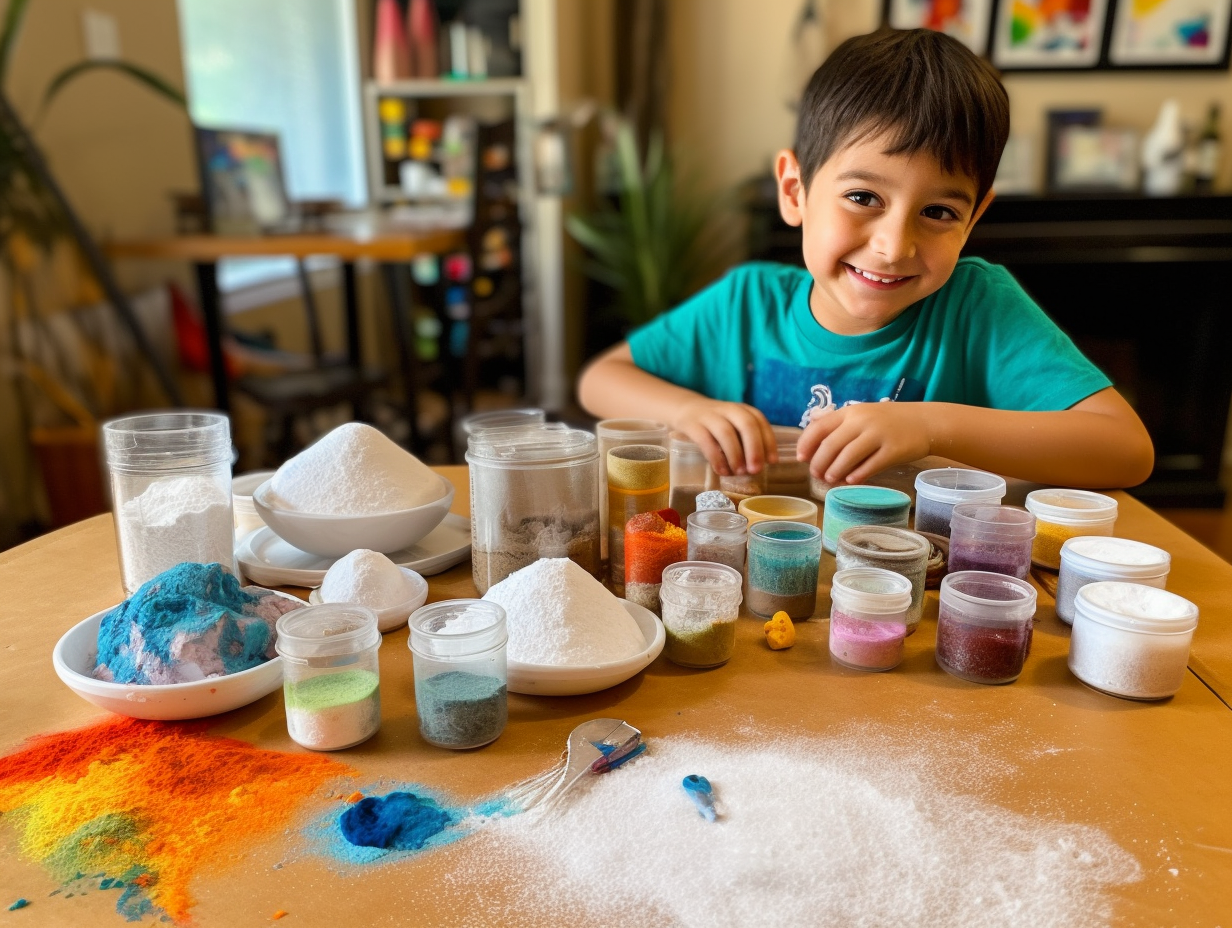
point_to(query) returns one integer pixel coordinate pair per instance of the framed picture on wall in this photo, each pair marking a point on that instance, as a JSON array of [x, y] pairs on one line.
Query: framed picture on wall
[[1187, 34], [965, 20], [1048, 35]]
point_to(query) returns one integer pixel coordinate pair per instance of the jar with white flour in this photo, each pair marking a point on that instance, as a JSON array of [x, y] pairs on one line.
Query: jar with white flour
[[1091, 558]]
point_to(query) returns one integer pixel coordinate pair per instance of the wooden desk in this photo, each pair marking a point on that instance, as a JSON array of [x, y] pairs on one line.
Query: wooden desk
[[392, 248], [1153, 776]]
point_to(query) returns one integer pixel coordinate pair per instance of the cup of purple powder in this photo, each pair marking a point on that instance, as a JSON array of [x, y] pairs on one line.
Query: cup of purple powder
[[993, 538], [984, 626]]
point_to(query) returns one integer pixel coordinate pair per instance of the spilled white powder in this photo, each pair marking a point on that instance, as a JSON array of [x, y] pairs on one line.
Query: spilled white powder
[[366, 578], [354, 470], [818, 833], [176, 519], [557, 613]]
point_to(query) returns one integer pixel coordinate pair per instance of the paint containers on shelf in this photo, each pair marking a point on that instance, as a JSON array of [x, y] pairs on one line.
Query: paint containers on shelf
[[868, 617], [1131, 640], [784, 558], [701, 602], [688, 472], [994, 538], [461, 674], [614, 433], [1064, 514], [778, 509], [331, 680], [652, 543], [1091, 558], [984, 626], [719, 537], [637, 482], [938, 491], [534, 494], [847, 506], [888, 548]]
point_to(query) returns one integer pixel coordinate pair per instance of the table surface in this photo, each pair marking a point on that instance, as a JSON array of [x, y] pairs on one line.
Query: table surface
[[1154, 777]]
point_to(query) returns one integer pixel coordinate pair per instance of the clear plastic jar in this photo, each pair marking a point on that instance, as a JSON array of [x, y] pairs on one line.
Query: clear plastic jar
[[788, 477], [938, 491], [534, 493], [778, 509], [994, 538], [612, 433], [331, 678], [888, 548], [652, 544], [474, 422], [784, 558], [1064, 514], [461, 672], [846, 506], [1091, 558], [868, 617], [689, 473], [171, 492], [1131, 640], [719, 537], [701, 602], [637, 478], [984, 626]]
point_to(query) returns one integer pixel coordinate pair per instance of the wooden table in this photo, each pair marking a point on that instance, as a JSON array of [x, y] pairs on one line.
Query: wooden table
[[1155, 777], [393, 248]]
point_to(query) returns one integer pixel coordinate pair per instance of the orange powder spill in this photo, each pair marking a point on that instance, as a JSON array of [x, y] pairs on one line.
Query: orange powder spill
[[150, 806]]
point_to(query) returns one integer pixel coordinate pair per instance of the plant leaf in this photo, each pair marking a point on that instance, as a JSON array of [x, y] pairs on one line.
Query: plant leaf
[[13, 18], [149, 78]]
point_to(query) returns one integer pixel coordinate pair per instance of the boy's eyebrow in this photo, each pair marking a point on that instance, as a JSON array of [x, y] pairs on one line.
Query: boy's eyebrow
[[950, 193]]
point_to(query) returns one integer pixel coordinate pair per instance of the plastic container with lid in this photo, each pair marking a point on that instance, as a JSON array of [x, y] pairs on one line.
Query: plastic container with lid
[[868, 617], [778, 508], [1131, 640], [534, 493], [718, 536], [637, 478], [461, 672], [787, 477], [613, 433], [331, 678], [888, 548], [784, 558], [984, 536], [1064, 514], [984, 626], [1091, 558], [468, 425], [938, 491], [860, 504], [171, 492], [701, 602]]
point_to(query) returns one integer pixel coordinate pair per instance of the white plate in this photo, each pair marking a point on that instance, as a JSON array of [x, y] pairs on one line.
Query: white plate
[[76, 653], [556, 680], [267, 559], [394, 617]]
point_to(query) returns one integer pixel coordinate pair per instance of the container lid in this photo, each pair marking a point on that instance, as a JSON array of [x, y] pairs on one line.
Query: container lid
[[871, 590], [989, 597], [1135, 607], [718, 520], [501, 419], [455, 628], [327, 630], [166, 440], [959, 485], [993, 519], [539, 444], [632, 431], [1070, 507], [885, 542], [1129, 560], [867, 497]]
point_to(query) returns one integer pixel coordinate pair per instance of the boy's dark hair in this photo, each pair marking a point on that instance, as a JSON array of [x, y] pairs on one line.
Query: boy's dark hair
[[928, 91]]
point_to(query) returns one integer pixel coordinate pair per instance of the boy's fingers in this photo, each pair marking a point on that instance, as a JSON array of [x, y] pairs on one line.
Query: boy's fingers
[[769, 441], [731, 442], [712, 450], [850, 456]]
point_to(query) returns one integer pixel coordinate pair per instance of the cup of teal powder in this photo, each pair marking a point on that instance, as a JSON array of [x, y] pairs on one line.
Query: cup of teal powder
[[784, 558], [331, 679], [846, 507], [458, 649]]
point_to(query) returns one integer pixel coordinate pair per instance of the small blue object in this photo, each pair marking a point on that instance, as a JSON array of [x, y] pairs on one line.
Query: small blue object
[[400, 821], [702, 794], [19, 904]]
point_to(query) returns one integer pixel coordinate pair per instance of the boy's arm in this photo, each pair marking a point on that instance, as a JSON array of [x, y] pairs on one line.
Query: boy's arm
[[735, 437], [1097, 442]]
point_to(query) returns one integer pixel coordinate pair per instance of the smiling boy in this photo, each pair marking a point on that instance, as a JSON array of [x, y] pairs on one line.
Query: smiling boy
[[886, 346]]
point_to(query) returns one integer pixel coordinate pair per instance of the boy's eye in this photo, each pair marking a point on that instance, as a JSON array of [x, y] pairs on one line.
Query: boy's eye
[[939, 212], [862, 197]]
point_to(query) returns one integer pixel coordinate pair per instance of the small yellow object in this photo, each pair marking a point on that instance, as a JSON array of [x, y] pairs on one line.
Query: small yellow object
[[780, 632], [354, 797]]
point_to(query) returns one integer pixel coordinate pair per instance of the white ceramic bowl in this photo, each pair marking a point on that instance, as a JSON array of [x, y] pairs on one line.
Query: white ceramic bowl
[[575, 679], [394, 616], [76, 653], [334, 536]]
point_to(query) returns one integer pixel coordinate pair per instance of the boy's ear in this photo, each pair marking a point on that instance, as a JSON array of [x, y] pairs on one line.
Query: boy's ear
[[789, 186], [983, 205]]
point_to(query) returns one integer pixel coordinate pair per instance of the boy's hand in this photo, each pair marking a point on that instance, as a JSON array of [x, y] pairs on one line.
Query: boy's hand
[[853, 443], [736, 438]]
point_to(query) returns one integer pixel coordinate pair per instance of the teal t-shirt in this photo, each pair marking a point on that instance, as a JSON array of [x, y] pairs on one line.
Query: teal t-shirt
[[979, 340]]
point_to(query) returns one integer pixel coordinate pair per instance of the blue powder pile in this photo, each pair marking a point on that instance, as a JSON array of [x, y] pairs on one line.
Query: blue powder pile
[[399, 821]]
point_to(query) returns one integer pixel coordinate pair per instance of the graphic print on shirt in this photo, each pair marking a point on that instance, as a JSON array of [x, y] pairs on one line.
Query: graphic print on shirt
[[787, 393]]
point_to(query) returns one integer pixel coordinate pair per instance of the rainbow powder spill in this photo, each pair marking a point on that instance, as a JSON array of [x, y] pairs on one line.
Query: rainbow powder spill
[[146, 807]]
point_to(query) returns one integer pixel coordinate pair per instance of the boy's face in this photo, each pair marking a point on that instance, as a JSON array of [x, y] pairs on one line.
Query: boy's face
[[880, 231]]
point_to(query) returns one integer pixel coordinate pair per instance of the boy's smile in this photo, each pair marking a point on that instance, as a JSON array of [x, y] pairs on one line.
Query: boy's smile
[[880, 231]]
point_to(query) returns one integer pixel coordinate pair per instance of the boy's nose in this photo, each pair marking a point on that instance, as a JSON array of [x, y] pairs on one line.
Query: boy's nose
[[893, 240]]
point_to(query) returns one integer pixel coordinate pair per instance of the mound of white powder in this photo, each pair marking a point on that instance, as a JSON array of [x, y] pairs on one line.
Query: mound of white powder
[[354, 470], [367, 578], [557, 613]]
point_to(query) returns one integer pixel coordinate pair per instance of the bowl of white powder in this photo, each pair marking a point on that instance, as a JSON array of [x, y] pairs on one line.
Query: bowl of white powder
[[369, 578]]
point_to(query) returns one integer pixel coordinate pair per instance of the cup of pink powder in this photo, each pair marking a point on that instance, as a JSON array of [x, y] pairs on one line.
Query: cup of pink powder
[[868, 617]]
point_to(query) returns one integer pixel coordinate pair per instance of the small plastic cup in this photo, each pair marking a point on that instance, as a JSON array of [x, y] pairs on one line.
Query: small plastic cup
[[1064, 514], [784, 558], [701, 602], [938, 491], [868, 618], [788, 477], [1092, 558], [689, 473], [984, 626], [889, 548], [718, 536], [778, 508], [613, 433], [847, 506], [992, 538]]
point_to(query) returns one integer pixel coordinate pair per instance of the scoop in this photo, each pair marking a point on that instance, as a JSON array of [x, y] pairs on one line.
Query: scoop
[[593, 747]]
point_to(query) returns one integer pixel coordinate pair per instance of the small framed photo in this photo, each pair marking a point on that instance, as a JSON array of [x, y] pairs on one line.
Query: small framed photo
[[1048, 35], [1059, 122], [1091, 158], [966, 20], [1188, 34]]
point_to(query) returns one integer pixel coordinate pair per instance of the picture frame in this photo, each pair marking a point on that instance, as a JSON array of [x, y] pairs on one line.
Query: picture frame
[[242, 181], [1046, 35], [1170, 35], [1058, 122], [969, 21], [1095, 158]]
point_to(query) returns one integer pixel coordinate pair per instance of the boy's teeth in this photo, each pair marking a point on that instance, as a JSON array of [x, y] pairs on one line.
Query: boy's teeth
[[884, 280]]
